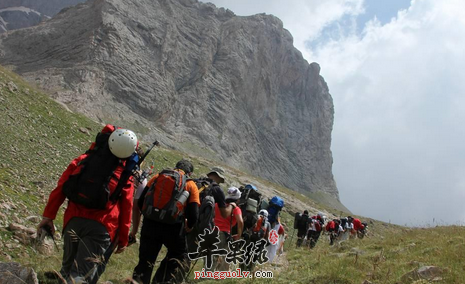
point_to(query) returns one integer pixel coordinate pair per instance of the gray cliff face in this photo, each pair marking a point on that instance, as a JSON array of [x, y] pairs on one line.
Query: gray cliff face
[[196, 75], [17, 14]]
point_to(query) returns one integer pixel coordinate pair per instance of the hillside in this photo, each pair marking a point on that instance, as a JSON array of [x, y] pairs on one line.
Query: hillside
[[40, 137], [199, 78]]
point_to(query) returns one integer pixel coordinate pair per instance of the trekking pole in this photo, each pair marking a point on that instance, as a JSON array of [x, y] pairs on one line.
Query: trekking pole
[[190, 270], [292, 236], [48, 230], [155, 143]]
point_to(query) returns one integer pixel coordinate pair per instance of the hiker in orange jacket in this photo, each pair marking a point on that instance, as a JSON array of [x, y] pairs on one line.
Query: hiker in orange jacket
[[89, 233], [156, 233]]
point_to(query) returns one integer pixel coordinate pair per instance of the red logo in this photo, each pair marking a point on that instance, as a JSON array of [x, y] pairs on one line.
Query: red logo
[[273, 238]]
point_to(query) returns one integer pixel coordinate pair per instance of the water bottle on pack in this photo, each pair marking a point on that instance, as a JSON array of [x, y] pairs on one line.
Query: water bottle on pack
[[181, 201]]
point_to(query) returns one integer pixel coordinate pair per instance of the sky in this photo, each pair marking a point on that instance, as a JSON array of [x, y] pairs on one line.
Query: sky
[[396, 72]]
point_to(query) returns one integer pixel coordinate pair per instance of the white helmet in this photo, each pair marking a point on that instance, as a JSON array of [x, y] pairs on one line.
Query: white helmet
[[122, 143]]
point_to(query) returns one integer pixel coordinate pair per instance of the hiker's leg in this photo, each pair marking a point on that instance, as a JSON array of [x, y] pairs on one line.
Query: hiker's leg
[[222, 265], [94, 240], [173, 266], [300, 237], [150, 245], [70, 246]]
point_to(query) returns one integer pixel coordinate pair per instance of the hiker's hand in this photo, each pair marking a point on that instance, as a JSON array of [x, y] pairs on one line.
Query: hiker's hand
[[188, 230], [233, 204], [132, 238], [236, 237], [120, 249], [46, 222]]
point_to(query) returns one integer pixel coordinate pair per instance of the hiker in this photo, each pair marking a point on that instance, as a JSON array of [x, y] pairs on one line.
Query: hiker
[[95, 221], [224, 225], [301, 224], [282, 238], [211, 196], [170, 204], [315, 227], [347, 227], [215, 178], [358, 227], [272, 249], [140, 183], [275, 206], [334, 229], [249, 203], [259, 231]]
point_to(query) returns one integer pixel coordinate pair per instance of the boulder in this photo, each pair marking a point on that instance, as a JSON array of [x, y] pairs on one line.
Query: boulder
[[429, 273], [15, 273]]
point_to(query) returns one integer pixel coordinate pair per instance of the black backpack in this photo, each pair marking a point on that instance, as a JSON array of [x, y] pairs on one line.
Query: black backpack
[[250, 206], [207, 205], [343, 223], [88, 185], [303, 222]]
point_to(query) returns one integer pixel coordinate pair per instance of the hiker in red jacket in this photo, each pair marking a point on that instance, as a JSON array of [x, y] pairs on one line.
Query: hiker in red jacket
[[89, 233], [334, 229], [358, 226], [314, 229]]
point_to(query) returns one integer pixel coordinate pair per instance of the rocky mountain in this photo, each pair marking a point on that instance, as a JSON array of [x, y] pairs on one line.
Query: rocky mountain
[[198, 77], [17, 14]]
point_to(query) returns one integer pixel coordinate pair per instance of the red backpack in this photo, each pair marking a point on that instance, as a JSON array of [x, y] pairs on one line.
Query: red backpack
[[165, 199]]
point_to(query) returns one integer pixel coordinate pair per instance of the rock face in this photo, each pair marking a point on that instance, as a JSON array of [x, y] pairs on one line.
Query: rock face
[[15, 273], [195, 76], [17, 14]]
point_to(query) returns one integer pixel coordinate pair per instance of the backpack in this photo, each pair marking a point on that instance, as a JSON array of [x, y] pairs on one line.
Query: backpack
[[165, 199], [207, 206], [275, 206], [88, 184], [302, 223], [344, 223], [249, 203], [259, 230], [297, 217]]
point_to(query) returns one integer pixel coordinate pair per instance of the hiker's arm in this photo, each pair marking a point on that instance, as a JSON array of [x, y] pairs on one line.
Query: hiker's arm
[[125, 212], [192, 213], [136, 213], [240, 226], [56, 198], [192, 207], [136, 216]]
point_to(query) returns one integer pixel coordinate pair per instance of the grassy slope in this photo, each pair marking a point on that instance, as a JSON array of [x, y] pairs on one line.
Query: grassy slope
[[40, 137]]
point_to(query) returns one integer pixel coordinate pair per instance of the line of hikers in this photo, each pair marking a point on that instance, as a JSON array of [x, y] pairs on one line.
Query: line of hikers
[[309, 228], [179, 212]]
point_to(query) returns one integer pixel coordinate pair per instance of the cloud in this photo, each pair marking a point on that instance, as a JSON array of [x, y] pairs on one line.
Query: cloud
[[399, 101], [304, 18]]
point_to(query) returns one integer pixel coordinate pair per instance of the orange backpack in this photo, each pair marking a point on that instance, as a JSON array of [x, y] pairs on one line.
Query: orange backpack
[[259, 231], [165, 199]]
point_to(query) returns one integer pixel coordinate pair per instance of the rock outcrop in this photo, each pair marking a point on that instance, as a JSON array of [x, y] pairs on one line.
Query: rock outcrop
[[17, 14], [15, 273], [195, 76]]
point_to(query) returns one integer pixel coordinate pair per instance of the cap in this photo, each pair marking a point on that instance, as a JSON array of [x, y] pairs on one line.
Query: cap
[[233, 193], [219, 171]]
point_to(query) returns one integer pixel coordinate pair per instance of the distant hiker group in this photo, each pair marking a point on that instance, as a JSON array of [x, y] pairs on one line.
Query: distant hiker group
[[309, 228], [192, 218]]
